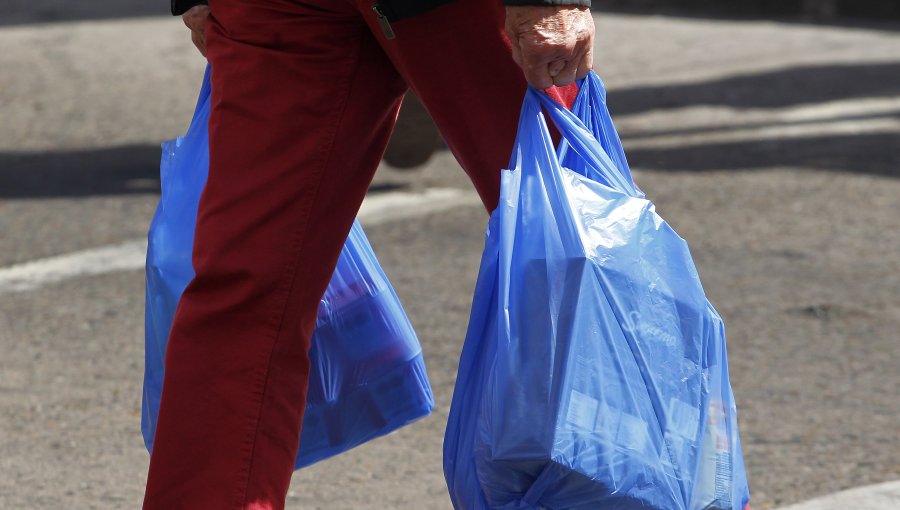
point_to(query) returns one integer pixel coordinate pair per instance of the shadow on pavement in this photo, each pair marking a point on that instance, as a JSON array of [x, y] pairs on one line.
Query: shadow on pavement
[[773, 89], [869, 153], [131, 169], [134, 169], [127, 170], [875, 154], [23, 12]]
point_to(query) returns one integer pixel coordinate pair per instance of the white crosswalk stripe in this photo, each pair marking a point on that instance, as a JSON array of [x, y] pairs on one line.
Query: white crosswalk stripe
[[131, 255]]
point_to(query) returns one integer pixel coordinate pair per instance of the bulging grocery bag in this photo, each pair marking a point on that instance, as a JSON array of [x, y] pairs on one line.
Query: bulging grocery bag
[[367, 376], [593, 374]]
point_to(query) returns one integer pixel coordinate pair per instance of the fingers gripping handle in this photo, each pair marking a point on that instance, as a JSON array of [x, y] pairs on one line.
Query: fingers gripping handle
[[594, 113], [581, 140]]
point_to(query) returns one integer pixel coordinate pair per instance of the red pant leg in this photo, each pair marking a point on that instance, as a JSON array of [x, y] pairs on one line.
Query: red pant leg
[[458, 61], [303, 99], [302, 104]]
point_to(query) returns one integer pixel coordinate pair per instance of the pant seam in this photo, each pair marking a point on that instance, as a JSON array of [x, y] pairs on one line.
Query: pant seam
[[290, 279]]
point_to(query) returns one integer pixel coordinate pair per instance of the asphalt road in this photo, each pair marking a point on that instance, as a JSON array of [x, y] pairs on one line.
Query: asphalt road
[[773, 148]]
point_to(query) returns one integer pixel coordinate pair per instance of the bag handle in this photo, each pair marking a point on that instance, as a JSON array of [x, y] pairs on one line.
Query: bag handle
[[581, 140], [535, 155], [590, 107]]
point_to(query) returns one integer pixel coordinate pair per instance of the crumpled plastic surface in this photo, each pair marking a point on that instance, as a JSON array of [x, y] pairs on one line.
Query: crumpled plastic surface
[[367, 376], [594, 373]]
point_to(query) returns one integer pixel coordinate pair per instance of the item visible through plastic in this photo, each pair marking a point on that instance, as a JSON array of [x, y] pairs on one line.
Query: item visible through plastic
[[367, 375], [594, 373]]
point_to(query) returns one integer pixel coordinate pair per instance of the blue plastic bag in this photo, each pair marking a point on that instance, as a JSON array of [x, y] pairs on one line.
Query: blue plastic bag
[[367, 376], [593, 374]]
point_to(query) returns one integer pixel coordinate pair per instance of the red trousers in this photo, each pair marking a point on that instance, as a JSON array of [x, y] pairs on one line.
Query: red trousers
[[304, 97]]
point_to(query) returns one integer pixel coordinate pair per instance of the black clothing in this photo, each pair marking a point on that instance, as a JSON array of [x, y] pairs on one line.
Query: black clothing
[[395, 10]]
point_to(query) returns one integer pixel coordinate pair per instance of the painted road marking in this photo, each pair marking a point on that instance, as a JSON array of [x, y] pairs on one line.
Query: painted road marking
[[131, 255], [392, 206], [774, 131], [107, 259], [835, 118]]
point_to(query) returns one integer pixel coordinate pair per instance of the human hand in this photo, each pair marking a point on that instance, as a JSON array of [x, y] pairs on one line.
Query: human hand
[[195, 19], [553, 45]]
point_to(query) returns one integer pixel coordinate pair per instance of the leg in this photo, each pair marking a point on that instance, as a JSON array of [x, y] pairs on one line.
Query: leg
[[458, 61], [303, 100]]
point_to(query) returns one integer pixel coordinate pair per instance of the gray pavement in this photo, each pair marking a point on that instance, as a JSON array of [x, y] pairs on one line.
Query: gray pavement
[[870, 497], [774, 149]]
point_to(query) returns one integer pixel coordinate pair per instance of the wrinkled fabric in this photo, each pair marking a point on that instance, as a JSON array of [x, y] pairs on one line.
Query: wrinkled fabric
[[594, 372], [304, 99], [367, 376]]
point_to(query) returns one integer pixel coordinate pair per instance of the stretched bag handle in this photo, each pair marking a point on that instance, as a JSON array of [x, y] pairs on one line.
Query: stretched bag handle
[[535, 155], [528, 114], [590, 107], [583, 142]]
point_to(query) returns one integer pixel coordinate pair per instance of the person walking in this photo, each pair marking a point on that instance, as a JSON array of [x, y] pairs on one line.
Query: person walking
[[304, 97]]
